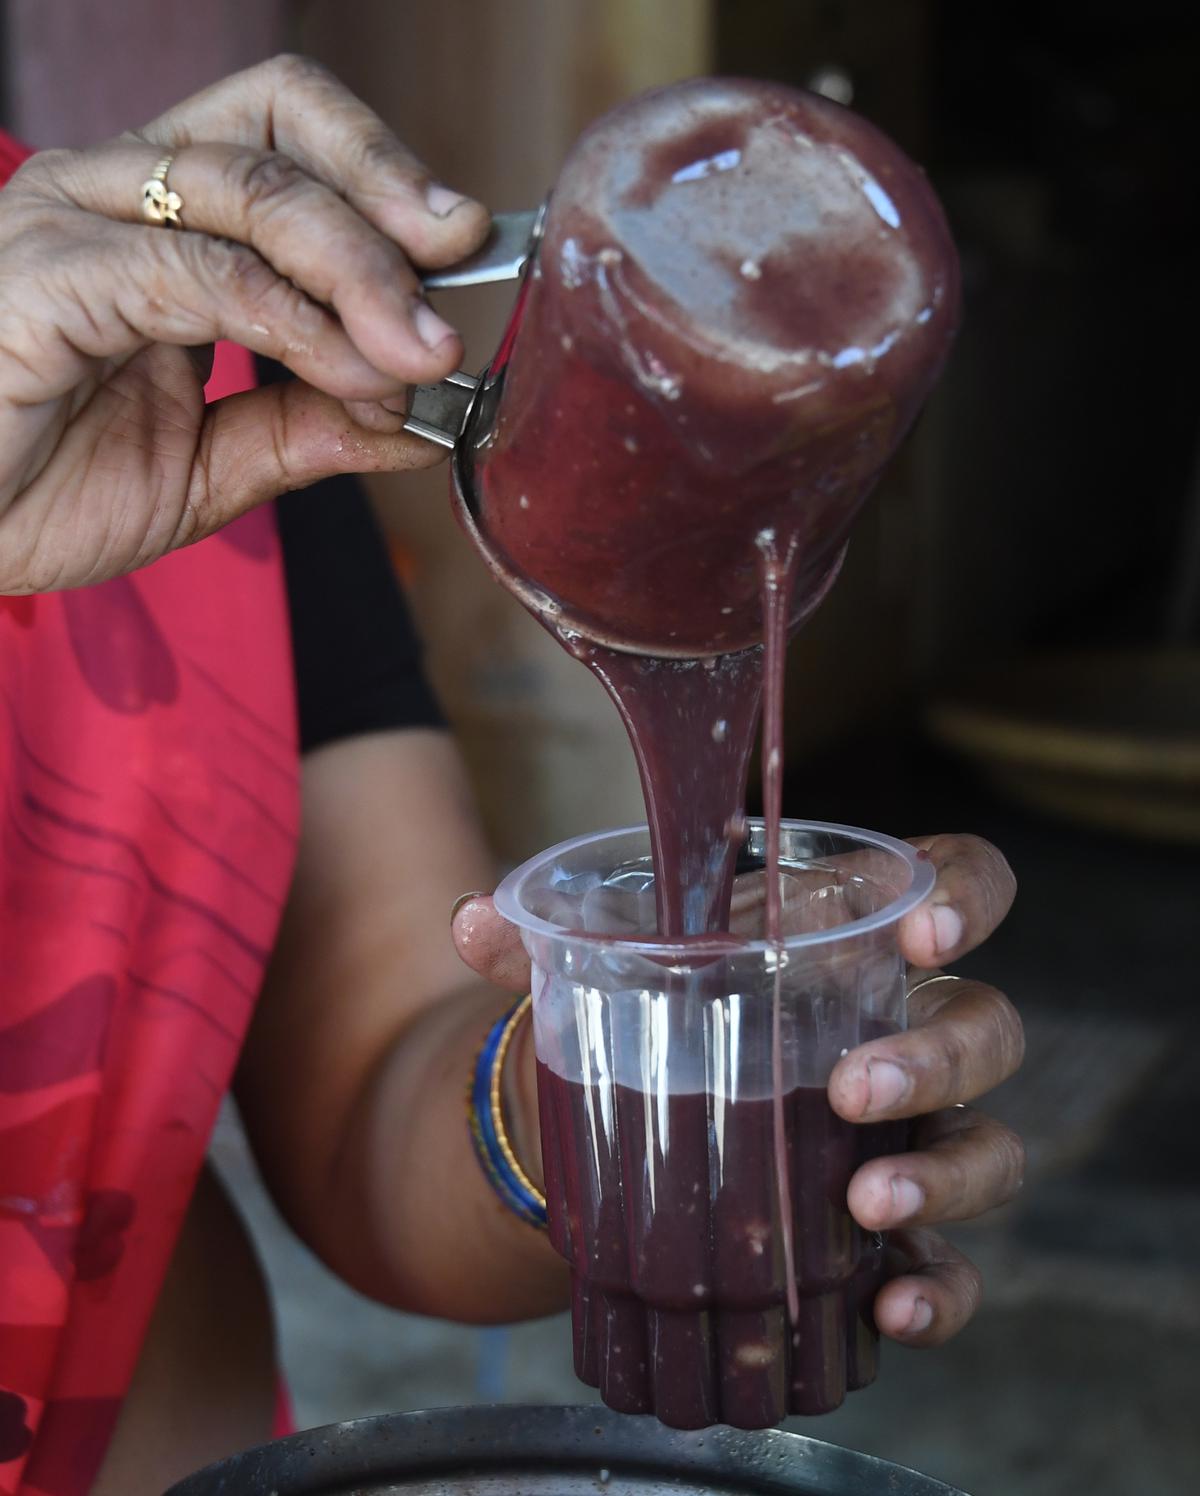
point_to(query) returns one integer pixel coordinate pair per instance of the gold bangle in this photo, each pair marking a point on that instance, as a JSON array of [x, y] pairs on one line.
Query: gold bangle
[[497, 1107], [485, 1120]]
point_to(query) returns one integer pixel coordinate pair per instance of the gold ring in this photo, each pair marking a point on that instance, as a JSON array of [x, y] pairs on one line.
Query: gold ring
[[159, 204], [939, 976]]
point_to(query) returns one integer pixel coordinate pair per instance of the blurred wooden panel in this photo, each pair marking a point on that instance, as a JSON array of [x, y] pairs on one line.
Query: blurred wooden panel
[[627, 46], [78, 71]]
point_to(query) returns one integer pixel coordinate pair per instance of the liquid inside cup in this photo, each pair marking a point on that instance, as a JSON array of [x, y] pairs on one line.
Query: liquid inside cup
[[657, 1122]]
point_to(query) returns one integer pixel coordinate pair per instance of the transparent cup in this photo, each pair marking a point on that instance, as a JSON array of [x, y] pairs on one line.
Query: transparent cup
[[656, 1098]]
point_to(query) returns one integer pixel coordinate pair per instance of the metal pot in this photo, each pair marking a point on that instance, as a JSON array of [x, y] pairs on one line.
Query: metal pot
[[521, 1451]]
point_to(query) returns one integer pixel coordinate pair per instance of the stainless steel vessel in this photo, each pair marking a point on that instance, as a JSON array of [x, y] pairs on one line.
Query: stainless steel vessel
[[523, 1451]]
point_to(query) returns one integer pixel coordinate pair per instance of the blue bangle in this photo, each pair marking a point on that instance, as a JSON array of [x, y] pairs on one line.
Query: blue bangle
[[485, 1117]]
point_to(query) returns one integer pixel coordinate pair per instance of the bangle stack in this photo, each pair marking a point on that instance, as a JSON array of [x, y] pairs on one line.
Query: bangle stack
[[485, 1116]]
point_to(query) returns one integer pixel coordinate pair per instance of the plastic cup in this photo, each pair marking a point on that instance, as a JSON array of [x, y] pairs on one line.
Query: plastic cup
[[657, 1110]]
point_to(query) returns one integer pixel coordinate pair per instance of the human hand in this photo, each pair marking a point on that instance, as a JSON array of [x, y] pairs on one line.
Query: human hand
[[963, 1039], [302, 216]]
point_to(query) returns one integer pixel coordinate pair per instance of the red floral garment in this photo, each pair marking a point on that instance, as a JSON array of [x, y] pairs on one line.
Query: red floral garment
[[148, 821]]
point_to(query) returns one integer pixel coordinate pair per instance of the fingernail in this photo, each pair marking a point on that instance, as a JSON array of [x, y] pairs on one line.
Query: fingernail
[[887, 1085], [947, 927], [922, 1317], [442, 201], [907, 1198], [431, 329], [464, 898], [398, 405]]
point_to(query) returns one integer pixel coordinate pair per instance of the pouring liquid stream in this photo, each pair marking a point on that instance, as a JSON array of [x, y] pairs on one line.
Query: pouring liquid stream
[[691, 724]]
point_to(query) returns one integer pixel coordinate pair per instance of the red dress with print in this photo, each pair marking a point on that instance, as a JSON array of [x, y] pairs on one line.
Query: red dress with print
[[149, 777]]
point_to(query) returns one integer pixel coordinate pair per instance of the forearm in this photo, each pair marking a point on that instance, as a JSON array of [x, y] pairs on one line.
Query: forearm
[[412, 1220], [354, 1076]]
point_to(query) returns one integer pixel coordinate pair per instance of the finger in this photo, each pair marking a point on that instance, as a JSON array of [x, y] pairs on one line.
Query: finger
[[489, 944], [974, 891], [936, 1294], [375, 416], [269, 441], [300, 227], [968, 1045], [115, 289], [966, 1164], [810, 899], [293, 105]]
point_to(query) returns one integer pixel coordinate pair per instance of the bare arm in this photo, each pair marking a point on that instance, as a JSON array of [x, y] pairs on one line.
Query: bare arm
[[354, 1075]]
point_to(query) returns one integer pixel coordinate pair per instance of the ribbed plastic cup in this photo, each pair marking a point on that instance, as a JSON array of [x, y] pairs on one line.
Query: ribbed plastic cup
[[658, 1109]]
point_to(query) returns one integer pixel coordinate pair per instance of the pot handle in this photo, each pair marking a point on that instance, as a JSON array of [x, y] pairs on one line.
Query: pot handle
[[502, 258], [438, 411]]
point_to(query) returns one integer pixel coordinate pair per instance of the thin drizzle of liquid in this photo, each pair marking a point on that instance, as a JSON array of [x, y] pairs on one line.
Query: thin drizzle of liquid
[[778, 577]]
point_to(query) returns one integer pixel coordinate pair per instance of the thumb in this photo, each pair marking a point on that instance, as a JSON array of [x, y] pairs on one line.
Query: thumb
[[489, 944], [256, 446]]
